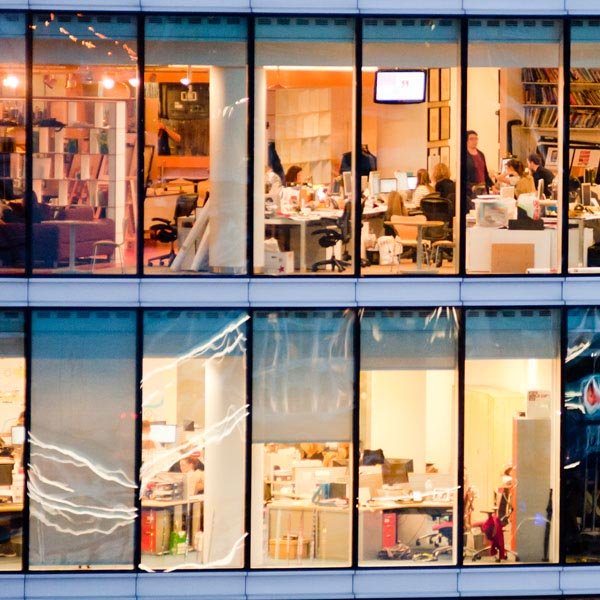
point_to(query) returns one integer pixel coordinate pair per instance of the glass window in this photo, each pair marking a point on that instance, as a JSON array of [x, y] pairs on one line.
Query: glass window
[[304, 134], [193, 440], [581, 441], [82, 442], [513, 129], [511, 436], [408, 438], [12, 437], [301, 438], [584, 150], [196, 136], [409, 162], [84, 143], [12, 145]]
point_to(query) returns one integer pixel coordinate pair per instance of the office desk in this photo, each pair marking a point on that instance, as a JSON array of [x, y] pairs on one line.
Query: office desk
[[581, 222], [327, 528], [420, 225], [374, 530]]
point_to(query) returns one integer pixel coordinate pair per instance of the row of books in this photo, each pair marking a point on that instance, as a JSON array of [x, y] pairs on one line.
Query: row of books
[[533, 94], [579, 118], [550, 75]]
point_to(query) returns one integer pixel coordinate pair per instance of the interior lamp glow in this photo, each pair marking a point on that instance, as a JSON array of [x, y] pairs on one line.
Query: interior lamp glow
[[11, 81], [187, 80], [108, 82], [134, 82]]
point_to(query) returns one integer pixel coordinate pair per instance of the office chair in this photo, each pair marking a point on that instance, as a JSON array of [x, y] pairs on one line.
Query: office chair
[[331, 235], [493, 527], [166, 231], [436, 208]]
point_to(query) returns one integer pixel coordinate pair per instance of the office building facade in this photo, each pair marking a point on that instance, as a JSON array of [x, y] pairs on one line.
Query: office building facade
[[219, 248]]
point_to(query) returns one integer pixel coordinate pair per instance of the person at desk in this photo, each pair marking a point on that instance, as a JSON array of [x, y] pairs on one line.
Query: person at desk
[[444, 186], [291, 175], [423, 188], [195, 469], [515, 175], [367, 162], [164, 135], [478, 177], [539, 172]]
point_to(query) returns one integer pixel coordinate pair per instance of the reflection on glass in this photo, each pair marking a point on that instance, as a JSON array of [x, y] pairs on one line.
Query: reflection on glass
[[12, 438], [85, 144], [581, 441], [196, 118], [512, 431], [407, 475], [409, 107], [584, 150], [12, 144], [513, 128], [301, 432], [303, 138], [193, 440], [81, 480]]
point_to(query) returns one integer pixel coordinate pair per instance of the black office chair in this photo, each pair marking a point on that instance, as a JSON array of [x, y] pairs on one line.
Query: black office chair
[[166, 231], [436, 208], [339, 230]]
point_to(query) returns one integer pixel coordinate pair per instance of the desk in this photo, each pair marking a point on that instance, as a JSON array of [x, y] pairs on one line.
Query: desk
[[373, 533], [480, 240], [581, 223], [420, 225], [156, 529], [9, 507]]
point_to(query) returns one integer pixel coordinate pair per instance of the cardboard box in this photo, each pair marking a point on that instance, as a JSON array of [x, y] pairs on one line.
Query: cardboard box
[[288, 548], [279, 263]]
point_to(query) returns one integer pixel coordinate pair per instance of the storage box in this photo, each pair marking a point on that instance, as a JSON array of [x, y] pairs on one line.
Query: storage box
[[288, 548], [278, 263]]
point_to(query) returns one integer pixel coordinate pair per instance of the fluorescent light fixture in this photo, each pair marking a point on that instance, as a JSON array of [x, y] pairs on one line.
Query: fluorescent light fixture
[[308, 68], [11, 81]]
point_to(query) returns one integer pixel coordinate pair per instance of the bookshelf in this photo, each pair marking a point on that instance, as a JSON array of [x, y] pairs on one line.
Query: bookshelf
[[540, 98]]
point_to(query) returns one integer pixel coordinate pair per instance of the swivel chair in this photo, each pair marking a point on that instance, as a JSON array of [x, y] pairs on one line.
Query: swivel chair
[[166, 231], [338, 231], [436, 208]]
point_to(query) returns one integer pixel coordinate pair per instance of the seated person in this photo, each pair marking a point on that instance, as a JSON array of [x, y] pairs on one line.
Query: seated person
[[367, 162], [291, 175], [443, 184], [539, 172], [396, 205], [423, 188], [195, 468], [514, 174]]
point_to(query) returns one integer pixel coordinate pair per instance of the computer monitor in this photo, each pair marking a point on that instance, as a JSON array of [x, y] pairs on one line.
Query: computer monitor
[[163, 434], [374, 183], [396, 470], [412, 182], [586, 194], [17, 435], [388, 185], [347, 179]]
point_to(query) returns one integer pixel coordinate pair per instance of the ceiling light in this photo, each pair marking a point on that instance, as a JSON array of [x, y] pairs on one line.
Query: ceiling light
[[187, 80], [11, 81], [134, 81], [108, 82]]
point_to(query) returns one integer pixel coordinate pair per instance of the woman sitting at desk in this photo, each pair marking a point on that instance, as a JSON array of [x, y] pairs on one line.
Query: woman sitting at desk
[[423, 188], [445, 187], [514, 174]]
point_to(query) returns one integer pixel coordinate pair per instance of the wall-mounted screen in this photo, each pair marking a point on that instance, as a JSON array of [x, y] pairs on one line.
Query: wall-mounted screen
[[398, 86]]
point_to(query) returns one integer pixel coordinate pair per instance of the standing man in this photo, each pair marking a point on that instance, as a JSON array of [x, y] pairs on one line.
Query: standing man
[[477, 172], [534, 162]]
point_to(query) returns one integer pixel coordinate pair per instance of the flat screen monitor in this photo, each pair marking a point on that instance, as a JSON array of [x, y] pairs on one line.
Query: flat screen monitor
[[400, 86], [586, 194], [412, 182], [388, 185], [163, 434], [17, 435]]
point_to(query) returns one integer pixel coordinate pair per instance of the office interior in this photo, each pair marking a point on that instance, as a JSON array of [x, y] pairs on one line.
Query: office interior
[[303, 456], [85, 196]]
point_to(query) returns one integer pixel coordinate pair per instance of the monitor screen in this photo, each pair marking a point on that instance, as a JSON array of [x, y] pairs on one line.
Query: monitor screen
[[586, 194], [163, 434], [398, 86], [388, 185], [412, 182], [17, 435]]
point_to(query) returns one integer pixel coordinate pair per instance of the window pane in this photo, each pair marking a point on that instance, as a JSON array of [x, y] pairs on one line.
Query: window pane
[[196, 116], [514, 129], [584, 150], [512, 433], [193, 440], [303, 129], [81, 472], [301, 433], [408, 408], [12, 394], [84, 143], [580, 441], [12, 150], [410, 106]]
